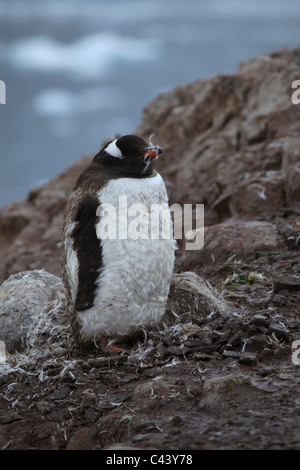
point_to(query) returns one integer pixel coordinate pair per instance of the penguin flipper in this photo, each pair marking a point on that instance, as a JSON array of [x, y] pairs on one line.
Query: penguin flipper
[[88, 250]]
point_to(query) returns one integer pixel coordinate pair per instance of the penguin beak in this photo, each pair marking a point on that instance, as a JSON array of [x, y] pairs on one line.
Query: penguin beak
[[152, 152]]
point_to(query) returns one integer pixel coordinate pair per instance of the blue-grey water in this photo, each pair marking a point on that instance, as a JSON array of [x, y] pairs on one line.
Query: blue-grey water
[[77, 72]]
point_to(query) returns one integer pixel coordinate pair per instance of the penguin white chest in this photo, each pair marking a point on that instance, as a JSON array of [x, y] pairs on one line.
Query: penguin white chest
[[135, 233]]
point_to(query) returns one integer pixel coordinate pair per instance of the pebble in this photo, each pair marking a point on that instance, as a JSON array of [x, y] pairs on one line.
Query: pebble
[[291, 284], [9, 417], [234, 354], [44, 407], [280, 331], [175, 351], [60, 393], [248, 359], [259, 320]]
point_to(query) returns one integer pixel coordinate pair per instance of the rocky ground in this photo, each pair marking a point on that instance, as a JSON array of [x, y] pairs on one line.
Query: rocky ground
[[222, 370]]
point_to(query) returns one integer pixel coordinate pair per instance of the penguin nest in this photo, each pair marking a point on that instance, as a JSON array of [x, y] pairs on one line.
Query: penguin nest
[[48, 343], [50, 349]]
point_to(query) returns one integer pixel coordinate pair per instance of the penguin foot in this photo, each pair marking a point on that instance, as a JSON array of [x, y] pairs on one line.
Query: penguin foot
[[112, 348]]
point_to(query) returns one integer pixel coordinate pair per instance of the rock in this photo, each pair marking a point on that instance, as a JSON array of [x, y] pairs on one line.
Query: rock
[[281, 332], [259, 320], [238, 134], [99, 362], [248, 359], [23, 300], [237, 338], [14, 218], [175, 351], [292, 183], [80, 440], [158, 387], [257, 342], [9, 417], [238, 241], [189, 291], [60, 394], [288, 283], [44, 407], [233, 354], [255, 195], [215, 390]]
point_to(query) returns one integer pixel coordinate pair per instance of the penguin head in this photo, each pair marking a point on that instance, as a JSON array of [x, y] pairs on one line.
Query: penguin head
[[129, 155]]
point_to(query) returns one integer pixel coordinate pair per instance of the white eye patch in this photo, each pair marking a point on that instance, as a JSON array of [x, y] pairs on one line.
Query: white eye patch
[[114, 150]]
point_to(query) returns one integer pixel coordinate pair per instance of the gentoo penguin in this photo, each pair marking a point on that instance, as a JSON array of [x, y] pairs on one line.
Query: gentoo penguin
[[118, 284]]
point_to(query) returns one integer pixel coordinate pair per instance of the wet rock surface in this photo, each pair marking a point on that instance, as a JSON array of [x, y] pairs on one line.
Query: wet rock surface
[[222, 369]]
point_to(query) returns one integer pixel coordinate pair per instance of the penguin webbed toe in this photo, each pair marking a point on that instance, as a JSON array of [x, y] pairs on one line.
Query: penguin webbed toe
[[108, 346]]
